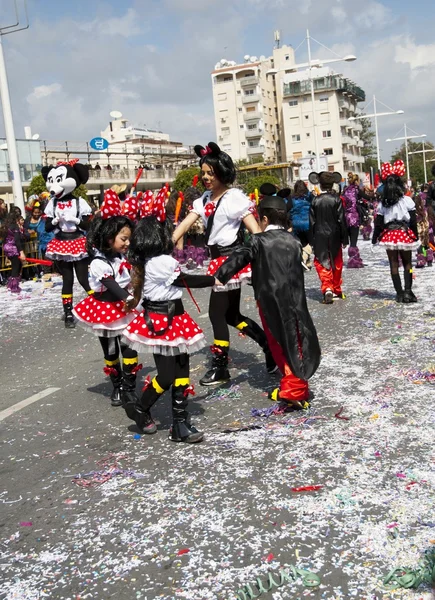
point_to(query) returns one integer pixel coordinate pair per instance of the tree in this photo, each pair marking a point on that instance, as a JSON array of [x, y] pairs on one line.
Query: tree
[[256, 182], [368, 151], [416, 168], [184, 179], [36, 186], [81, 192]]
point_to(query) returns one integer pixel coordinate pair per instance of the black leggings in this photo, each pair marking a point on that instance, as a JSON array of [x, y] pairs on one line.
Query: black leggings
[[393, 257], [170, 368], [67, 268], [112, 346], [353, 235], [224, 310], [305, 238], [15, 266]]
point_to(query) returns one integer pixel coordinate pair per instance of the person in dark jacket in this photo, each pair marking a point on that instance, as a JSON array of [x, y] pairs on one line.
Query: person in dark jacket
[[277, 278], [330, 234], [298, 207]]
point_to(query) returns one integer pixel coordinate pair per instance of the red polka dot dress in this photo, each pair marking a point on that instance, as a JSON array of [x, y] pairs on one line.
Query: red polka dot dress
[[397, 235], [103, 313], [163, 327], [69, 242]]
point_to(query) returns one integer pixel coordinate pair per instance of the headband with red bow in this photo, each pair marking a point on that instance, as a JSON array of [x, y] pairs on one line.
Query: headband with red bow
[[397, 169], [130, 207], [69, 163], [154, 207], [111, 206]]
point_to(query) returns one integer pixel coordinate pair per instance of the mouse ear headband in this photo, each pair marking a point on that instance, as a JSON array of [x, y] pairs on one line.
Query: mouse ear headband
[[398, 168], [324, 177], [211, 149]]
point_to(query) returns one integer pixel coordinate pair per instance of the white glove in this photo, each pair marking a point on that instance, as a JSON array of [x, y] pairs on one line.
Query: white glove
[[74, 220], [55, 221]]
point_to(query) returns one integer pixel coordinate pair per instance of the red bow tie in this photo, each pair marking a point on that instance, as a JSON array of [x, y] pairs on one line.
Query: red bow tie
[[209, 209], [63, 205], [124, 265]]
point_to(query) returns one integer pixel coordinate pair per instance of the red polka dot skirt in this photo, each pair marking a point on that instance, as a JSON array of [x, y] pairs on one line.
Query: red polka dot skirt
[[396, 239], [235, 282], [106, 319], [182, 336], [68, 250]]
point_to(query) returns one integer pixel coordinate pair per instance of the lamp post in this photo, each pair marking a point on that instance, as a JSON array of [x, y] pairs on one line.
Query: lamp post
[[376, 114], [424, 158], [406, 138], [309, 66]]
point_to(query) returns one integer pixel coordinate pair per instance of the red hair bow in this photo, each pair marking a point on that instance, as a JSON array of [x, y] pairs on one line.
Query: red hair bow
[[206, 150], [131, 208], [70, 163], [146, 206], [154, 207], [397, 169], [111, 206]]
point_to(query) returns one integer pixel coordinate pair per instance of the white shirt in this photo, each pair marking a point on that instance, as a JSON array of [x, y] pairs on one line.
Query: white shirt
[[233, 208], [65, 209], [100, 269], [272, 227], [160, 273], [398, 212]]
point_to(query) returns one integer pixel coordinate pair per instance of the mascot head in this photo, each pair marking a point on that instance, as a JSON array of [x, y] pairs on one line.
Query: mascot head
[[63, 179]]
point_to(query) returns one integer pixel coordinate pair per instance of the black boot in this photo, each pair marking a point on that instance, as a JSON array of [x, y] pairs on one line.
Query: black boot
[[397, 282], [182, 430], [219, 367], [67, 309], [130, 369], [253, 330], [408, 295], [115, 374], [139, 412]]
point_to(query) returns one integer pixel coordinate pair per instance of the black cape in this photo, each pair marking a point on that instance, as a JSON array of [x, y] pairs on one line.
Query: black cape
[[278, 282], [329, 228]]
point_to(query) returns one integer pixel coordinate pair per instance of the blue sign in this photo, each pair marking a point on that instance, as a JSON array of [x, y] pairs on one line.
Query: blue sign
[[99, 143]]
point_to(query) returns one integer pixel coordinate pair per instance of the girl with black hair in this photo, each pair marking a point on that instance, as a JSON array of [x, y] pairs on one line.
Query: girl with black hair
[[10, 233], [104, 312], [396, 228], [223, 210], [163, 328]]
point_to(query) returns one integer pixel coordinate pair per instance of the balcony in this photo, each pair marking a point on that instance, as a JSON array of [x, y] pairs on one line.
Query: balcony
[[252, 116], [253, 133], [360, 144], [246, 81], [255, 150], [321, 84], [346, 139], [346, 123], [356, 126], [249, 98]]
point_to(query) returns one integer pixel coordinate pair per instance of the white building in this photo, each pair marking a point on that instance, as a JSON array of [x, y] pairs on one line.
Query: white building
[[268, 117]]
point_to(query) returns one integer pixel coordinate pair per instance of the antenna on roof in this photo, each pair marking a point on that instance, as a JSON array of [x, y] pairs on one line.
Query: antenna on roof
[[277, 37]]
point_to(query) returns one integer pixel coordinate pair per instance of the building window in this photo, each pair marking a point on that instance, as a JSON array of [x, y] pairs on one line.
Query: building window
[[238, 91], [222, 97], [250, 109], [324, 117], [294, 121], [252, 126], [327, 133], [296, 138], [287, 57], [249, 92], [228, 78], [307, 116], [242, 126], [293, 103], [226, 146], [240, 109], [328, 151], [297, 155], [323, 98], [308, 135], [225, 131]]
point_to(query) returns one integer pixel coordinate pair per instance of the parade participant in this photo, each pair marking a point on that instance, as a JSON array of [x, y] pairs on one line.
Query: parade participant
[[10, 233], [396, 228], [298, 207], [278, 282], [223, 210], [68, 217], [104, 313], [330, 234], [424, 252], [163, 328], [354, 197]]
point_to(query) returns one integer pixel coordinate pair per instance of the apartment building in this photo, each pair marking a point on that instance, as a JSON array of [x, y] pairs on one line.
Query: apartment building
[[263, 111]]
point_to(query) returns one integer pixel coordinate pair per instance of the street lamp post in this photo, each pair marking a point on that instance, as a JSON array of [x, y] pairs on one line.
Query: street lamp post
[[406, 138], [376, 114], [424, 158], [309, 65]]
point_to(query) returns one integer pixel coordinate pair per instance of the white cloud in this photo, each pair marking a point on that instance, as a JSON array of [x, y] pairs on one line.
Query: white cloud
[[43, 91], [416, 56]]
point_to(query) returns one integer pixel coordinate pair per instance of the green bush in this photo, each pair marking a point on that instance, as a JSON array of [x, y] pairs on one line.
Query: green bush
[[184, 179], [256, 182]]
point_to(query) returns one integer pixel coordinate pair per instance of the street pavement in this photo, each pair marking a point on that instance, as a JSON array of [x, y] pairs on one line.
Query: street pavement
[[91, 509]]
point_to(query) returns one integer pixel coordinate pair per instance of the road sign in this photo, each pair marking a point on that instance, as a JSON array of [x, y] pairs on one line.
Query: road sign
[[99, 143]]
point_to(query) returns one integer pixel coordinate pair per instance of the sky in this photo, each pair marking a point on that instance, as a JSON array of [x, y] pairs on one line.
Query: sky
[[151, 59]]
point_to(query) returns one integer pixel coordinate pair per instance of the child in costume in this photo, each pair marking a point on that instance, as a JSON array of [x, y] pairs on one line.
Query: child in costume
[[424, 251], [163, 328], [277, 278], [223, 210], [11, 235], [104, 312], [68, 217], [396, 228], [330, 234], [355, 205]]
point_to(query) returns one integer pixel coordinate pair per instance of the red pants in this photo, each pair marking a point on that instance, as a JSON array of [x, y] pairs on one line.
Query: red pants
[[291, 387], [331, 278]]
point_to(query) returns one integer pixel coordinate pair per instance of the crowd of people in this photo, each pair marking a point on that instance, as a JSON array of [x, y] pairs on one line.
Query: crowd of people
[[128, 257]]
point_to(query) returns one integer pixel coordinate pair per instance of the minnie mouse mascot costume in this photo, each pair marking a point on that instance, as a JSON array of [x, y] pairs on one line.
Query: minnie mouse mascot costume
[[69, 218]]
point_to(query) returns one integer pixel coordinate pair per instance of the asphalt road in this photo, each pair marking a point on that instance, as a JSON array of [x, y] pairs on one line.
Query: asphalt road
[[198, 522]]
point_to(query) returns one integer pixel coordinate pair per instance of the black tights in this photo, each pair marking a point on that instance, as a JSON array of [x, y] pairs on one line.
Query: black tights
[[112, 346], [67, 268], [224, 310], [353, 235], [15, 266], [393, 257], [170, 368]]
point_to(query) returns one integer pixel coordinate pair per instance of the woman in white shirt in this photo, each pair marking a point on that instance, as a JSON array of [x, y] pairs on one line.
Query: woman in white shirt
[[223, 210], [396, 228]]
